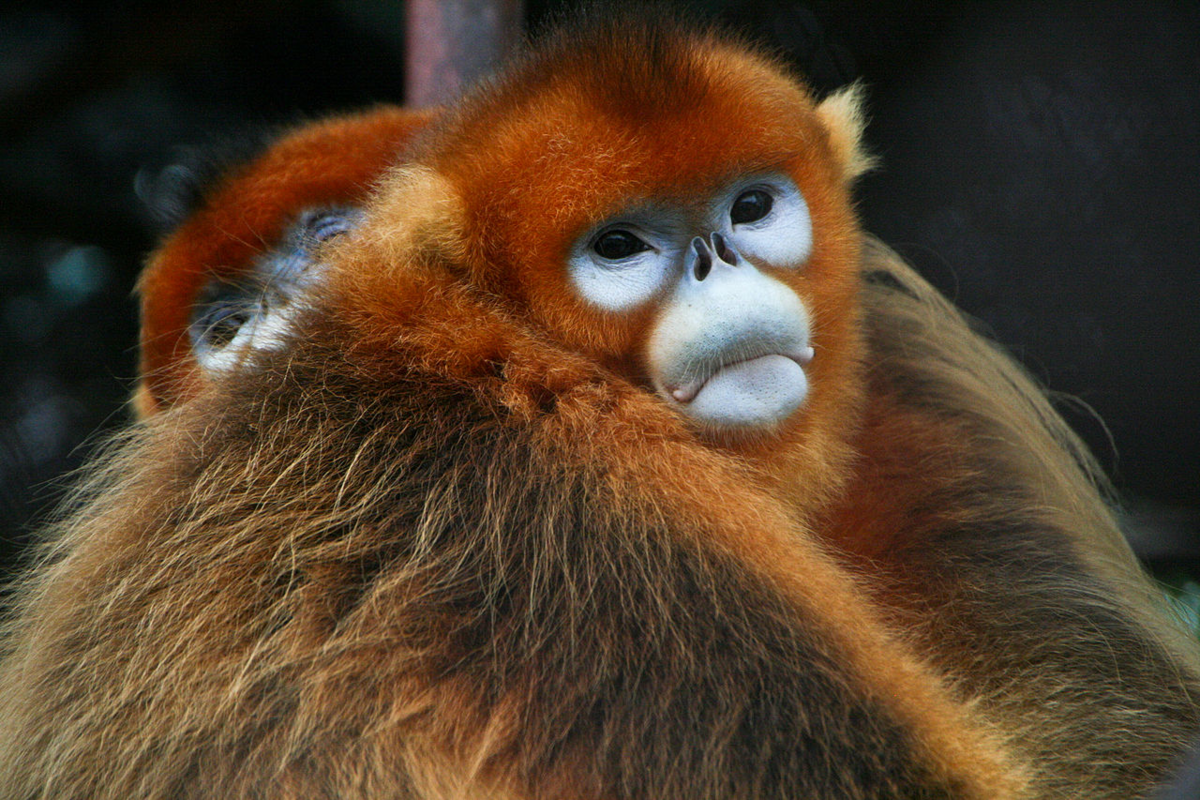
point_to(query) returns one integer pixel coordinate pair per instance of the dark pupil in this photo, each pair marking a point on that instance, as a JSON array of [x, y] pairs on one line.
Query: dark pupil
[[616, 245], [750, 207]]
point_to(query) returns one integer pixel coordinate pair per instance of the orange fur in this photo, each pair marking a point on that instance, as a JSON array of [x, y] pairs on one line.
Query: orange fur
[[447, 543]]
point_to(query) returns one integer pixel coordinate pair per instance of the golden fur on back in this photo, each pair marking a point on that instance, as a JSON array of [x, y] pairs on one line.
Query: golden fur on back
[[998, 550]]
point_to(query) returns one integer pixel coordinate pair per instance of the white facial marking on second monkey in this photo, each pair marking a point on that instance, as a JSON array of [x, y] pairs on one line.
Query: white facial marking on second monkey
[[257, 310]]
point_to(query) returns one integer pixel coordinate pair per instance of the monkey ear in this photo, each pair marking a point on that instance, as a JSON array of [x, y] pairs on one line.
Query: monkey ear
[[844, 118]]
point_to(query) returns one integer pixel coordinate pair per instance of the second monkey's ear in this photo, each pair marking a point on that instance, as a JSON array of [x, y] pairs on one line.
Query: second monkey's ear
[[844, 118]]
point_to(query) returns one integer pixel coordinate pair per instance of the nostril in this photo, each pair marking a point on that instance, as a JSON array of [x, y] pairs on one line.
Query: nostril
[[703, 258], [723, 250]]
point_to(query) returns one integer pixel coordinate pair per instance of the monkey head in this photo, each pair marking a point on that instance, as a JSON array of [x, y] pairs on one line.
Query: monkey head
[[680, 214], [230, 276], [676, 211]]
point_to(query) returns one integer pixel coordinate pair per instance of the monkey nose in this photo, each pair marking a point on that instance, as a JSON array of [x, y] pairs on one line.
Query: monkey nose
[[723, 249], [720, 249], [704, 258]]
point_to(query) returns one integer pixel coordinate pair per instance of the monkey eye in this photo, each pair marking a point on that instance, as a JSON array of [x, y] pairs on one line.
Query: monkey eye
[[622, 262], [322, 226], [750, 206], [224, 309], [618, 244]]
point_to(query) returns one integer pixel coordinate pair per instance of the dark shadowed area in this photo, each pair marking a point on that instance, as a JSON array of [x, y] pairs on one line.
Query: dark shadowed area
[[1040, 165]]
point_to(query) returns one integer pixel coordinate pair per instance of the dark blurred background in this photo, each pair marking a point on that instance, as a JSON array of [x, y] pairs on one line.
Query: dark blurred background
[[1041, 165]]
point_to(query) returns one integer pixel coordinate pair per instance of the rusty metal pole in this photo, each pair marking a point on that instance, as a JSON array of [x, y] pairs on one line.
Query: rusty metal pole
[[451, 43]]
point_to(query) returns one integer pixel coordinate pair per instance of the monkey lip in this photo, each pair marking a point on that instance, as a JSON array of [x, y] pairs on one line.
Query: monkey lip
[[686, 392]]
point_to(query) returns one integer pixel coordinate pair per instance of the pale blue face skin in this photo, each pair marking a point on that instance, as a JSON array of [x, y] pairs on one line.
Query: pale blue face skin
[[730, 343], [257, 311]]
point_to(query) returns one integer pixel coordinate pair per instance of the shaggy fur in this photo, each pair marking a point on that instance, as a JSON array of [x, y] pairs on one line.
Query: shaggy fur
[[979, 517], [447, 543]]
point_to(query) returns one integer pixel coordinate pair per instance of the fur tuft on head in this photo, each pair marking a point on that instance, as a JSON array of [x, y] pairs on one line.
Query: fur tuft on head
[[844, 117]]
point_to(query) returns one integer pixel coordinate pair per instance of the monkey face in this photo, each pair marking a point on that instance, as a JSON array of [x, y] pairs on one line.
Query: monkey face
[[728, 343], [691, 230], [230, 278], [253, 308]]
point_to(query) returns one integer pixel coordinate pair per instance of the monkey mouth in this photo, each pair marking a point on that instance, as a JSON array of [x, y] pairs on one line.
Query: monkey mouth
[[743, 371]]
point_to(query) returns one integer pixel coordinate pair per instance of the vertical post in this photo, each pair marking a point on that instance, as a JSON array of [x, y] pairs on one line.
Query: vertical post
[[451, 43]]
